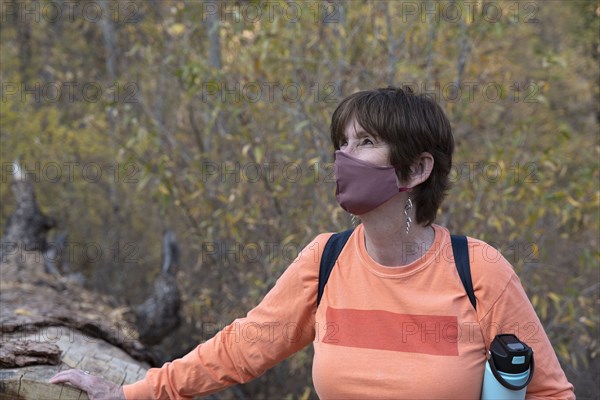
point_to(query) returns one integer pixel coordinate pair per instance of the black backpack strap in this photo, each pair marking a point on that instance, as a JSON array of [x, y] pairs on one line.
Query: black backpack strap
[[460, 248], [332, 250]]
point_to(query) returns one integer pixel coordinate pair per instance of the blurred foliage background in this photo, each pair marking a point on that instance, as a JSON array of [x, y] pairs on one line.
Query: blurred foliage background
[[211, 119]]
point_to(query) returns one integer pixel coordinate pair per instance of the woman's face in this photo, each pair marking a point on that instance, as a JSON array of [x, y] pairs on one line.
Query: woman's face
[[365, 146]]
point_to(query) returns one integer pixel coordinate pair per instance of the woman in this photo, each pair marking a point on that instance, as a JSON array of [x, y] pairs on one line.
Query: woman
[[394, 320]]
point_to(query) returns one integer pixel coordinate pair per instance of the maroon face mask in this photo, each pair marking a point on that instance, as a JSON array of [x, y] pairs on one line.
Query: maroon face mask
[[362, 186]]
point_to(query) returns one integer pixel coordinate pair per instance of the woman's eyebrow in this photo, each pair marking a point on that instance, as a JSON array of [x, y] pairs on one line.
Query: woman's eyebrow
[[363, 133]]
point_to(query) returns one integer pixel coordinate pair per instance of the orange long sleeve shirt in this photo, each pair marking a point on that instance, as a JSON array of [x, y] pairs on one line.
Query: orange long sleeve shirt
[[379, 333]]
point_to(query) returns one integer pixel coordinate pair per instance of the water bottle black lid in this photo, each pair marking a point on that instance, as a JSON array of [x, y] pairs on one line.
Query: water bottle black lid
[[510, 355]]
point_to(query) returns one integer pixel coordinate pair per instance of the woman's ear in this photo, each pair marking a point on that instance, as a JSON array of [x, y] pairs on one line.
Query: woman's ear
[[420, 170]]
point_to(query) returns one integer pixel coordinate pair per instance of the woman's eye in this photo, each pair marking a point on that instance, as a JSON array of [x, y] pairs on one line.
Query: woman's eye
[[343, 144], [367, 141]]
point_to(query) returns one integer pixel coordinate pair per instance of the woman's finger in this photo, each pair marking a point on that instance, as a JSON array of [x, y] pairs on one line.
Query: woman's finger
[[62, 376]]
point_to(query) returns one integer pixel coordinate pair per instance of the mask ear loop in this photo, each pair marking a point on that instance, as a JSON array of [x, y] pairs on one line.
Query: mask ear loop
[[400, 188]]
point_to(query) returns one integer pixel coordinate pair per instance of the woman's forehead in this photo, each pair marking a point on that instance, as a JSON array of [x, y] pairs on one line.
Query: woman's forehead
[[354, 129]]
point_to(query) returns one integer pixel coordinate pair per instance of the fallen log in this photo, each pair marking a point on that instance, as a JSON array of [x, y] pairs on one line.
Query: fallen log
[[48, 323]]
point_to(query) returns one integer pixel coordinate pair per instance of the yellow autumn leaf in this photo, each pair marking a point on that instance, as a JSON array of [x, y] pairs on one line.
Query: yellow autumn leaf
[[258, 154], [176, 29], [573, 202], [306, 394], [535, 251], [554, 297], [535, 299]]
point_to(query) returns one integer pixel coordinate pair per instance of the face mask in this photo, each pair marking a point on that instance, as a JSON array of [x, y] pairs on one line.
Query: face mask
[[362, 186]]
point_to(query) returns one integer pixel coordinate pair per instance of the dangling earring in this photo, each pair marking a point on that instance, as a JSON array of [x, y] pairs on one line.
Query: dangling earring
[[354, 220], [407, 208]]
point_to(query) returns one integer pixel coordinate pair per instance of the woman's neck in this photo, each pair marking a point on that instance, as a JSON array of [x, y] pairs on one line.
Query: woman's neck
[[386, 239]]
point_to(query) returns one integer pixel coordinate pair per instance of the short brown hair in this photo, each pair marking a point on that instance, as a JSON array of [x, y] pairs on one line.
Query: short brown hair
[[411, 124]]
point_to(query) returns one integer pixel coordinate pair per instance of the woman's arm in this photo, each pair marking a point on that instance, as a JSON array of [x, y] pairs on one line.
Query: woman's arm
[[282, 324], [503, 307]]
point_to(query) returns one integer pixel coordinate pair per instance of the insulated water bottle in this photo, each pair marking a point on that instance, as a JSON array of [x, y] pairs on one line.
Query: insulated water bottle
[[508, 370]]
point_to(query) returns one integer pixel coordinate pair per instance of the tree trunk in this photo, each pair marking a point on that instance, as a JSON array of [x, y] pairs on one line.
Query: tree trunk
[[112, 112]]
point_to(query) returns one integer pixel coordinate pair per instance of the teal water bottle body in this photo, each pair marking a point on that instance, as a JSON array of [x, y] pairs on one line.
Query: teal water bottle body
[[509, 369], [494, 390]]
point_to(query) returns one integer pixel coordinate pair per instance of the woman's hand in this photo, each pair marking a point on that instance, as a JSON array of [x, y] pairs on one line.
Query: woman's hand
[[96, 387]]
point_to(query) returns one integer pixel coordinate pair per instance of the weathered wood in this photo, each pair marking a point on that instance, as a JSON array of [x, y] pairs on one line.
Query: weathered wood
[[21, 353], [27, 383], [49, 312], [78, 351], [48, 301]]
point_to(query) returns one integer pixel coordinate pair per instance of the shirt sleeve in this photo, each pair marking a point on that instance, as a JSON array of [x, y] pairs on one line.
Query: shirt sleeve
[[282, 324], [505, 308]]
